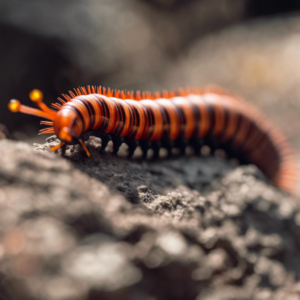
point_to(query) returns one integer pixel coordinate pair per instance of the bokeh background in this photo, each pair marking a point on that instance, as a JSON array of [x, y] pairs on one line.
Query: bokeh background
[[110, 228], [248, 46]]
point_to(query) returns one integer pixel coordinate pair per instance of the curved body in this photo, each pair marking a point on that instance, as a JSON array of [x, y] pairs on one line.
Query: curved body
[[191, 117]]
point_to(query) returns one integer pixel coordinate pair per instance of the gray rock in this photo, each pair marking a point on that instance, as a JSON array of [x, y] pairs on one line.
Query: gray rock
[[113, 228]]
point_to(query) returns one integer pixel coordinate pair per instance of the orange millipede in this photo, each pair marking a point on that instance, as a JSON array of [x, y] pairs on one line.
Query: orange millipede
[[168, 119]]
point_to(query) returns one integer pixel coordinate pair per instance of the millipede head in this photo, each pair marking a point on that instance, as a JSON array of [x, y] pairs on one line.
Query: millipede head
[[63, 126]]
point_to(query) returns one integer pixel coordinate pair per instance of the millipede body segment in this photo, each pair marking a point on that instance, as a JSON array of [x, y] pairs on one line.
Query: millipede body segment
[[169, 119]]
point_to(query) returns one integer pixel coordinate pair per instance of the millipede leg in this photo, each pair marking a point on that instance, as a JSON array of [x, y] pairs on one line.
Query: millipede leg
[[145, 152], [104, 141], [182, 149], [181, 144], [156, 146], [145, 145], [230, 151], [168, 144], [132, 144], [85, 136], [212, 143], [196, 144], [117, 143]]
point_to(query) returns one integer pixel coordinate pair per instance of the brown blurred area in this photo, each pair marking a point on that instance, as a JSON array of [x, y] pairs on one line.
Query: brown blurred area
[[248, 46]]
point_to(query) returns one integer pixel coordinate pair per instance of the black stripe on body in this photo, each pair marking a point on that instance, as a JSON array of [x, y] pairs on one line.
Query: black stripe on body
[[151, 122], [212, 119], [247, 134], [132, 117], [226, 121], [105, 115], [182, 121], [122, 124], [119, 127], [166, 121], [91, 112], [80, 116], [197, 116], [85, 105], [134, 122], [238, 125]]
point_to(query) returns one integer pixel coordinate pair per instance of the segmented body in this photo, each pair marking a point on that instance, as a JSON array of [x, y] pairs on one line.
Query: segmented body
[[196, 118], [168, 120]]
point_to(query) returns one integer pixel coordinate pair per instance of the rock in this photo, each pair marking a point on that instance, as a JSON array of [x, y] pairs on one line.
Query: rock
[[113, 228]]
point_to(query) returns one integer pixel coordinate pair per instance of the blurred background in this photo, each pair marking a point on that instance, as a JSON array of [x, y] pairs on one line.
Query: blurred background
[[248, 46], [186, 227]]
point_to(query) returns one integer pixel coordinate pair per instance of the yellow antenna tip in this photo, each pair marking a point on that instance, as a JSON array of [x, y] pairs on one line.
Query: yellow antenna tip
[[14, 105], [36, 96]]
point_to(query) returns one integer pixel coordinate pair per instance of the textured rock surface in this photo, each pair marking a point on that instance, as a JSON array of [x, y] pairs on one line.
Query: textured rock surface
[[113, 228]]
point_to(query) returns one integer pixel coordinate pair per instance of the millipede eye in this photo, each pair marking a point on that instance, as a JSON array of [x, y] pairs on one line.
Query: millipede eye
[[36, 96], [14, 105]]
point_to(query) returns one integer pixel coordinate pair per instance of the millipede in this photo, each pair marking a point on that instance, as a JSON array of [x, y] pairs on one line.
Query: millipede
[[193, 117]]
